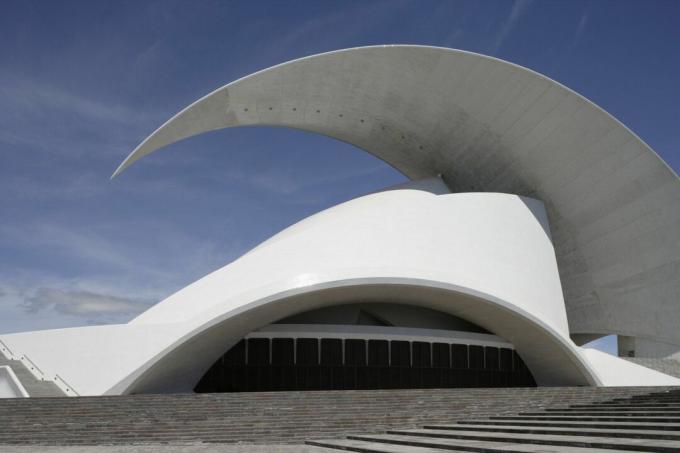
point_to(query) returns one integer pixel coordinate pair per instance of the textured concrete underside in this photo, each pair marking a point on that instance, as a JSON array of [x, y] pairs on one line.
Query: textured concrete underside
[[488, 125]]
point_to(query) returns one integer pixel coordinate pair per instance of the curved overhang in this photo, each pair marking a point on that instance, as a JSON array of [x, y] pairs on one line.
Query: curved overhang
[[371, 249], [552, 358], [484, 124]]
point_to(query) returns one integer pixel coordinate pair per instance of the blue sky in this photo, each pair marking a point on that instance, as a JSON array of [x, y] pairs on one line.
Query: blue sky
[[82, 83]]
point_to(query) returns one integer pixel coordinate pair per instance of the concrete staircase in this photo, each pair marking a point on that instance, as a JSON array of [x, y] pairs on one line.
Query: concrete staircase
[[648, 422], [34, 387], [296, 417]]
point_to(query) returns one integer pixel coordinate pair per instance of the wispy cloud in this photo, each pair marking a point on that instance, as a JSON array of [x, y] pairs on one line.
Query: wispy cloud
[[77, 186], [519, 7], [84, 246], [453, 37], [57, 121], [348, 24], [580, 28], [84, 304], [26, 96]]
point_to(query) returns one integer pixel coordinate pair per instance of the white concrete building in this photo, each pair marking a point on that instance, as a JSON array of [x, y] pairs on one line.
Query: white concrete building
[[534, 222]]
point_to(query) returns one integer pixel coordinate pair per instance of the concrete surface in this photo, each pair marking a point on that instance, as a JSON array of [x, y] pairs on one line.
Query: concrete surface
[[293, 417], [178, 448], [32, 385], [488, 125]]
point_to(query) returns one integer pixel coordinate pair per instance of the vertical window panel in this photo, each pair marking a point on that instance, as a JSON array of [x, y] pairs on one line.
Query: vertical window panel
[[459, 356], [258, 351], [491, 358], [506, 359], [307, 351], [400, 354], [331, 352], [476, 357], [355, 352], [283, 351], [441, 357], [421, 354], [378, 353]]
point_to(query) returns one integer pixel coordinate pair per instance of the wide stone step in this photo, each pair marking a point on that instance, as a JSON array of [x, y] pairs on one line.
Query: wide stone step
[[486, 446], [590, 418], [366, 446], [638, 413], [370, 447], [579, 424], [582, 408], [624, 406], [581, 431], [274, 417], [653, 445]]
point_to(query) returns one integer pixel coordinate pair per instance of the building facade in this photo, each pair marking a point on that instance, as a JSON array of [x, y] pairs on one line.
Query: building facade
[[534, 222]]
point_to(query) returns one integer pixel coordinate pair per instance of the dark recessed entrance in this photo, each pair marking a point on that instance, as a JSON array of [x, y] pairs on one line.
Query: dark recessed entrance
[[264, 364]]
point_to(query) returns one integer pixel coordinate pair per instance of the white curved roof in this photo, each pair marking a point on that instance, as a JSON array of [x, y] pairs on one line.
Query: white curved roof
[[489, 125], [370, 249]]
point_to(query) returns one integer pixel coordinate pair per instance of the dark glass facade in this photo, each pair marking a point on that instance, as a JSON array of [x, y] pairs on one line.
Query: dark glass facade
[[263, 364]]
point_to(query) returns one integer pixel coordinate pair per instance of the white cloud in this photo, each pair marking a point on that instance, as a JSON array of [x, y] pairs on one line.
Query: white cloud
[[87, 247], [32, 97], [519, 7], [580, 28], [83, 303]]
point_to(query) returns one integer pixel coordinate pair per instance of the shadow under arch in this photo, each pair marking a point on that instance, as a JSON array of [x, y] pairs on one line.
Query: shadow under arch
[[552, 359]]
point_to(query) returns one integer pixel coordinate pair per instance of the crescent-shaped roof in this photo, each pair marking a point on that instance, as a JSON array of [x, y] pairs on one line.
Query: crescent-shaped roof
[[484, 124]]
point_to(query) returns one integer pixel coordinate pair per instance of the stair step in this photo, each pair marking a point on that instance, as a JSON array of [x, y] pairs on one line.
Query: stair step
[[370, 447], [581, 431], [670, 410], [593, 418], [290, 417], [483, 446], [605, 413], [625, 406], [578, 424], [34, 387], [655, 445]]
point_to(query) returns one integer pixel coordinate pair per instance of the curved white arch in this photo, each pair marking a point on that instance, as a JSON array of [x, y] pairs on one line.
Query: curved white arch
[[488, 125], [552, 359], [503, 279]]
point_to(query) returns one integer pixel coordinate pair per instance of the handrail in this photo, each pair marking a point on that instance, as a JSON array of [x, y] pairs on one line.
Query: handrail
[[34, 366], [70, 391], [6, 348]]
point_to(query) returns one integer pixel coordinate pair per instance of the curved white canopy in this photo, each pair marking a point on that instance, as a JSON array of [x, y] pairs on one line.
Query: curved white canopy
[[488, 125]]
